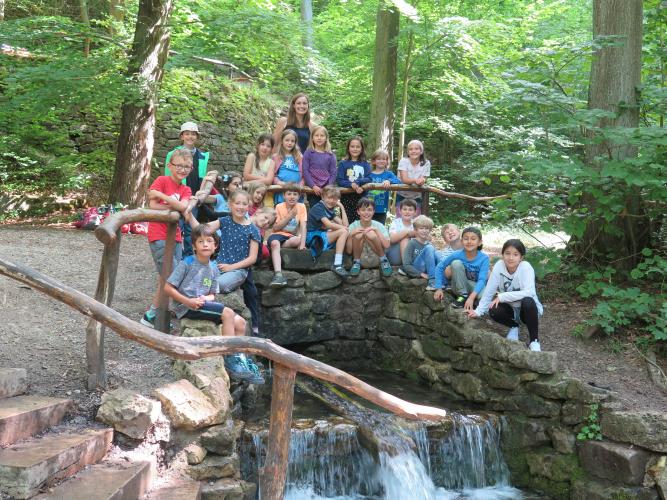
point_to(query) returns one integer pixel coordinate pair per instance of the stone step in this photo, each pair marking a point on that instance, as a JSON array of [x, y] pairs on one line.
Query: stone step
[[13, 381], [26, 466], [186, 491], [104, 482], [23, 416]]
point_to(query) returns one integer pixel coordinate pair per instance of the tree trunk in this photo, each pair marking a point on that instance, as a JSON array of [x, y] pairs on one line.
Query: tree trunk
[[135, 142], [404, 97], [117, 11], [381, 127], [307, 19], [614, 78], [85, 19], [2, 10]]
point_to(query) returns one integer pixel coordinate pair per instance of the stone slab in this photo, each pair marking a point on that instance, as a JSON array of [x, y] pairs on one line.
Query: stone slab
[[26, 466], [585, 489], [104, 482], [229, 489], [186, 491], [13, 381], [616, 462], [23, 416], [646, 429], [186, 406], [133, 414], [215, 467]]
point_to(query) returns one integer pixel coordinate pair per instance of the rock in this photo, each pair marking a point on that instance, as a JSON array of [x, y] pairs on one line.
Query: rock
[[574, 412], [616, 462], [194, 453], [277, 297], [198, 328], [217, 392], [200, 371], [540, 362], [462, 337], [524, 433], [580, 391], [428, 373], [465, 361], [647, 429], [534, 406], [134, 415], [187, 406], [395, 345], [215, 467], [658, 473], [552, 388], [221, 439], [554, 466], [499, 379], [585, 489], [435, 347], [368, 258], [469, 387], [301, 260], [562, 440], [397, 327], [263, 277], [322, 281], [495, 347], [229, 489]]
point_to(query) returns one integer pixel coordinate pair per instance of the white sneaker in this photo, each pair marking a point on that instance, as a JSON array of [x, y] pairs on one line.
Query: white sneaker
[[535, 346], [513, 334]]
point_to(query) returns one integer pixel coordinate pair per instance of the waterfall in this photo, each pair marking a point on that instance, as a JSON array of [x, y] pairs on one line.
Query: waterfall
[[327, 461]]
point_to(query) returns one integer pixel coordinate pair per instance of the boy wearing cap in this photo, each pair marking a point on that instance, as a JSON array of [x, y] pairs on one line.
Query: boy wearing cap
[[189, 136]]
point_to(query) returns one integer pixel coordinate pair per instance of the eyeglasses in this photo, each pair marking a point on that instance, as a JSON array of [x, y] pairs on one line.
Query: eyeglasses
[[181, 168]]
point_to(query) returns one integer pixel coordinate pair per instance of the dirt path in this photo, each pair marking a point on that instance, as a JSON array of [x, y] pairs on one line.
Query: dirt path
[[47, 337]]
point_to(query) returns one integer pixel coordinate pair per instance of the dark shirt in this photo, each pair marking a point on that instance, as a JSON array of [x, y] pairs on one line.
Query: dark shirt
[[315, 216]]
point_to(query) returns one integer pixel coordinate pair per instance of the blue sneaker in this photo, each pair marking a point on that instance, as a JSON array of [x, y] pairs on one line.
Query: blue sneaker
[[236, 368], [385, 268], [250, 365], [355, 269], [147, 320]]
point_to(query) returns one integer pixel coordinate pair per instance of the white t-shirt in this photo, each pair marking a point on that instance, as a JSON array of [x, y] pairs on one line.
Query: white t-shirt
[[397, 225], [380, 227], [413, 172]]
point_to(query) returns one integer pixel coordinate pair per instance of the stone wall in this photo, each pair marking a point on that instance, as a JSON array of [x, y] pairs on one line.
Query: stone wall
[[394, 324]]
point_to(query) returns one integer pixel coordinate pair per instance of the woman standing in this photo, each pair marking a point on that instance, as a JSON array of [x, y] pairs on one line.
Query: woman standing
[[297, 119]]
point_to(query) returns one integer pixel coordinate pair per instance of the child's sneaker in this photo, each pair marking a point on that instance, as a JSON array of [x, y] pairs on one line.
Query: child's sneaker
[[340, 271], [401, 272], [513, 334], [459, 302], [253, 369], [385, 268], [431, 286], [147, 320], [355, 269], [278, 281], [535, 346], [236, 368]]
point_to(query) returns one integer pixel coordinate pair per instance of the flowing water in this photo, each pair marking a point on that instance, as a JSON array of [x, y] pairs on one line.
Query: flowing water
[[328, 461]]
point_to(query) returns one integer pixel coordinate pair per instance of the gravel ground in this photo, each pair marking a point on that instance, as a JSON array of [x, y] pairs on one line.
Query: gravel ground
[[48, 338]]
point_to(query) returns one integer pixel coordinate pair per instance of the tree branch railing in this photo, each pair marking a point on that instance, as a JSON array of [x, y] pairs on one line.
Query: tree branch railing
[[287, 364]]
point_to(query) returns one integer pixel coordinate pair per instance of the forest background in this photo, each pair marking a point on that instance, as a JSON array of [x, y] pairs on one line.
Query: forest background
[[504, 93]]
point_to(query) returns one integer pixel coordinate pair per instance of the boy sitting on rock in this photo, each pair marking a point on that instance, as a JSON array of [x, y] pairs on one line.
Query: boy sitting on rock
[[193, 285], [419, 258], [367, 231], [326, 227], [289, 231]]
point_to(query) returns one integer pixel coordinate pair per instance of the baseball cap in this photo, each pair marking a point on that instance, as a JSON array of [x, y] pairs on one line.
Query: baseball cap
[[189, 127]]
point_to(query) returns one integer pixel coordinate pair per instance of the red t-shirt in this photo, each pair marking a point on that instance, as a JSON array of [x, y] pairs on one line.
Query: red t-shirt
[[165, 184]]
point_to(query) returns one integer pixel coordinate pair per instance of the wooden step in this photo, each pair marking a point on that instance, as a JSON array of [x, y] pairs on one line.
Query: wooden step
[[13, 381], [23, 416], [104, 482], [26, 466], [186, 491]]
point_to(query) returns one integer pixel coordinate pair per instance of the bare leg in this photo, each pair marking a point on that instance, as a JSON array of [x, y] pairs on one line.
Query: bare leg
[[340, 237], [275, 256], [357, 245], [239, 325], [227, 326], [375, 244]]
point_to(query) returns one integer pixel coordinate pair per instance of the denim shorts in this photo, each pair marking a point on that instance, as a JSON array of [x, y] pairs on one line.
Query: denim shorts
[[157, 252]]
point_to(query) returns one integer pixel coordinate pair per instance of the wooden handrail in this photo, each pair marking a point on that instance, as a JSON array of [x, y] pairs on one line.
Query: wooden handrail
[[202, 347]]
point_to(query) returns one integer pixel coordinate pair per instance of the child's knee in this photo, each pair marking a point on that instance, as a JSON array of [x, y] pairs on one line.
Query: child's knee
[[528, 302], [457, 266], [228, 314], [371, 236], [239, 324], [275, 245]]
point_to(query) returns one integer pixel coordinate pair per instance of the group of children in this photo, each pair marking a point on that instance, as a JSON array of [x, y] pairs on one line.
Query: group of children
[[234, 233]]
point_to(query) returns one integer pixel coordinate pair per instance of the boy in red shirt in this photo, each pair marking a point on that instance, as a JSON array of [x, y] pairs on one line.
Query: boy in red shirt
[[167, 193]]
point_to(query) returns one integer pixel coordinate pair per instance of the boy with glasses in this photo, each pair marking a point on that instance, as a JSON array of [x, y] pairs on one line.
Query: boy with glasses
[[167, 193]]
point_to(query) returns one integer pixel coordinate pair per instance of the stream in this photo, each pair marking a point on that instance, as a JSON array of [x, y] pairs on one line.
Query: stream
[[329, 459]]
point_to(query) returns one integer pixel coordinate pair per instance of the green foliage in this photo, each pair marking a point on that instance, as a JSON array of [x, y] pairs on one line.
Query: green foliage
[[592, 430]]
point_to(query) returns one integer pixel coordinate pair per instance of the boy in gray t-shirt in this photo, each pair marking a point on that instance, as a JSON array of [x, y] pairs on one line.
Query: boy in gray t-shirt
[[192, 287]]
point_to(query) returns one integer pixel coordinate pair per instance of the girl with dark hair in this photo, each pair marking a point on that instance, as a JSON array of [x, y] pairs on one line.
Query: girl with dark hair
[[353, 172], [510, 297], [259, 164]]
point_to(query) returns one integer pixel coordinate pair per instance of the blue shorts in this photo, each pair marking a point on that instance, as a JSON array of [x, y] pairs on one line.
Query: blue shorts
[[280, 238], [313, 239], [210, 311]]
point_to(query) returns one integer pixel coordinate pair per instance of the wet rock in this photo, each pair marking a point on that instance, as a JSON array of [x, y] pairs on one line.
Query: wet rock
[[465, 361], [221, 439], [434, 347], [187, 406], [428, 373], [215, 467], [524, 433], [647, 429], [562, 440], [229, 489], [616, 462], [134, 415]]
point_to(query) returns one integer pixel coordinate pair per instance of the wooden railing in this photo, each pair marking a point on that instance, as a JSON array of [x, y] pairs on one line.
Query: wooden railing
[[286, 363]]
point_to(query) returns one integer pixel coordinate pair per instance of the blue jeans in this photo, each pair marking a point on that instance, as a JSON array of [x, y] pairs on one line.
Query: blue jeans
[[426, 261]]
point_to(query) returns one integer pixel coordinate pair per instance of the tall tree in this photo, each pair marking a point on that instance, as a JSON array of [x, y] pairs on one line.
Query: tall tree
[[85, 19], [614, 80], [381, 126], [135, 142], [2, 10]]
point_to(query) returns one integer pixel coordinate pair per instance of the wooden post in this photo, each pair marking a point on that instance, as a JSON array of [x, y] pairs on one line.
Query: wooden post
[[425, 207], [162, 319], [274, 473], [106, 284]]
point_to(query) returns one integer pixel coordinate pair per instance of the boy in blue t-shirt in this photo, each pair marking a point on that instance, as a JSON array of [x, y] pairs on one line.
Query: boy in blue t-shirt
[[193, 285], [324, 228], [380, 175]]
